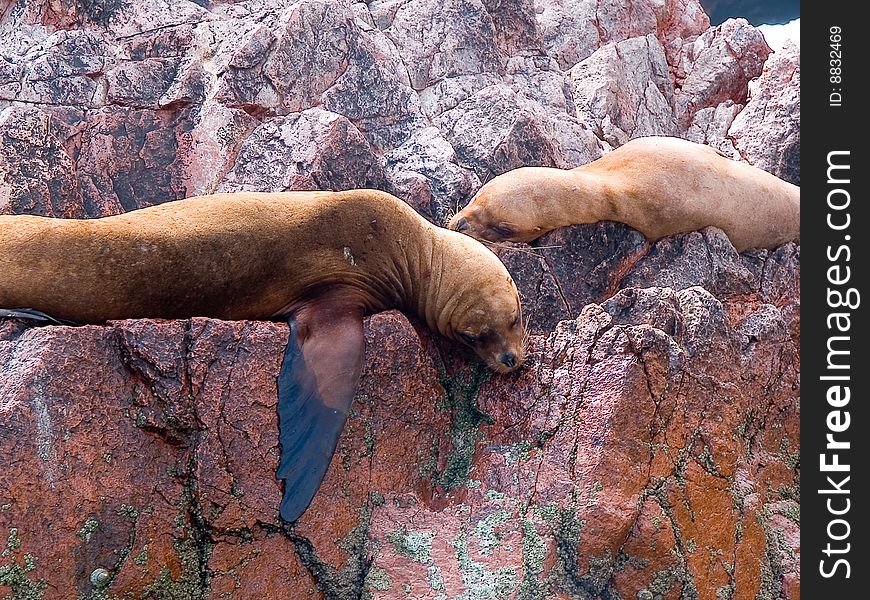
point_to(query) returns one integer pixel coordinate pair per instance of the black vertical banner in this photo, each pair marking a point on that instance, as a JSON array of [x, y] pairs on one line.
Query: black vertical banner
[[835, 427]]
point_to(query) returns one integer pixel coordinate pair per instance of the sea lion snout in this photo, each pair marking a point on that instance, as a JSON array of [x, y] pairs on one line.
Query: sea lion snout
[[474, 220], [504, 352], [508, 359], [468, 221], [505, 361], [460, 224]]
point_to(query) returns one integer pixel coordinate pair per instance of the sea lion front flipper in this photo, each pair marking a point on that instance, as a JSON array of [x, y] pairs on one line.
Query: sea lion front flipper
[[316, 386]]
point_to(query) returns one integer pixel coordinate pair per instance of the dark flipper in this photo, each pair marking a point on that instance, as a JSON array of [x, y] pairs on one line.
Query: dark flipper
[[30, 315], [316, 386]]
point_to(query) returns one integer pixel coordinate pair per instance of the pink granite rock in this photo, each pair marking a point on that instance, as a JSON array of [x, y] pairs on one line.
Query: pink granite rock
[[574, 29], [641, 437], [623, 90], [499, 128], [311, 150], [767, 132], [717, 67], [393, 69], [38, 173]]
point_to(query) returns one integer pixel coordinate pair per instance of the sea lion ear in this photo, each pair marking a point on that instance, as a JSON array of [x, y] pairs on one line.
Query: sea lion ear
[[316, 387]]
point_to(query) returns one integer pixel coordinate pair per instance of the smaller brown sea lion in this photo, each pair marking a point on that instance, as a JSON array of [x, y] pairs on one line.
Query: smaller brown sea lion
[[658, 185]]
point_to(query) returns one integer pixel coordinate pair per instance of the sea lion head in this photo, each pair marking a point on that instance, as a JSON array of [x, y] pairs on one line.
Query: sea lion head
[[513, 207], [480, 305]]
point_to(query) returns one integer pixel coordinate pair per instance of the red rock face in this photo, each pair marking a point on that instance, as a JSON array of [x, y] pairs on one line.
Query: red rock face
[[647, 450]]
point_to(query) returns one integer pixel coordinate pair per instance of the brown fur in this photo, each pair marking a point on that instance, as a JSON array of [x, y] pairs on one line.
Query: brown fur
[[658, 185], [262, 256]]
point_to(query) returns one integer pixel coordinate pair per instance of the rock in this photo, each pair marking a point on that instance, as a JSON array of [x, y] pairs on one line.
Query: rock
[[498, 129], [64, 69], [574, 29], [767, 132], [717, 67], [424, 171], [642, 436], [441, 39], [38, 172], [571, 267], [515, 25], [623, 90], [168, 79], [648, 450], [710, 126], [311, 150]]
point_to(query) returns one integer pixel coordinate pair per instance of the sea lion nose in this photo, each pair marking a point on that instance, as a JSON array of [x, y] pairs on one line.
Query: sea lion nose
[[461, 224], [508, 359]]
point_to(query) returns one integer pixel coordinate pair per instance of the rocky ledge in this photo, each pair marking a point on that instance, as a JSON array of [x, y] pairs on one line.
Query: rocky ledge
[[649, 449]]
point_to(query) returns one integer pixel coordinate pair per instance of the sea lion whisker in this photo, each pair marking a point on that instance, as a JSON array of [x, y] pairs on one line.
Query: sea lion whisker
[[504, 246], [526, 334]]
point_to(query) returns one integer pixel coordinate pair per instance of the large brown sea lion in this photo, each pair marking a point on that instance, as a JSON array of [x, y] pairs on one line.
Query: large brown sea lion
[[321, 260]]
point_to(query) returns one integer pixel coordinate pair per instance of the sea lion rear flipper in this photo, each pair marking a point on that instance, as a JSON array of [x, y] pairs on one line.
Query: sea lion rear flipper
[[316, 387], [30, 315]]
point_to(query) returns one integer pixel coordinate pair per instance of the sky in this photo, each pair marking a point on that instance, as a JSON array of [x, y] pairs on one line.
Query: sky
[[777, 34]]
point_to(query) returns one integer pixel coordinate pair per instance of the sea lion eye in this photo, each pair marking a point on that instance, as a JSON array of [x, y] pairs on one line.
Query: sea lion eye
[[501, 230], [468, 338]]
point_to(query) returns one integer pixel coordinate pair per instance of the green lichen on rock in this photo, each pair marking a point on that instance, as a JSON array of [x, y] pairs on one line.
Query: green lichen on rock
[[790, 458], [486, 531], [15, 576], [436, 581], [534, 554], [351, 581], [791, 510], [460, 399], [519, 453], [13, 542], [128, 512], [565, 575], [416, 545], [663, 581], [193, 546], [190, 584], [379, 579], [480, 582], [772, 569], [88, 527], [548, 512]]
